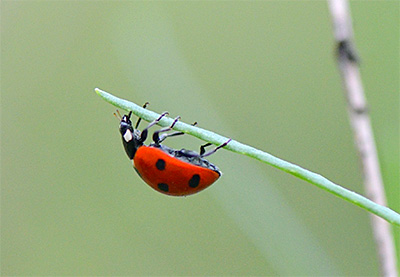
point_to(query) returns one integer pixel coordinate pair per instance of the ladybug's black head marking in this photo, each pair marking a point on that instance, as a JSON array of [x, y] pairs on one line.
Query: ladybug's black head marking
[[125, 123], [131, 138]]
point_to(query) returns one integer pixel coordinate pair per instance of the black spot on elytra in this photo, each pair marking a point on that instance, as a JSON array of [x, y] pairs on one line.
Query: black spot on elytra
[[163, 187], [160, 164], [194, 181]]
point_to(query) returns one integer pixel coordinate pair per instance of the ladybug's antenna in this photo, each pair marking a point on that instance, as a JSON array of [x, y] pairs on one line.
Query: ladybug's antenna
[[119, 117]]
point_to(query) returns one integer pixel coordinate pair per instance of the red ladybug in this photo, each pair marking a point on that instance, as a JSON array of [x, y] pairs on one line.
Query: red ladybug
[[169, 171]]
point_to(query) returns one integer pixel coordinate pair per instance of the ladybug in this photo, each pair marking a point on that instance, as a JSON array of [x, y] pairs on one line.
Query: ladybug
[[169, 171]]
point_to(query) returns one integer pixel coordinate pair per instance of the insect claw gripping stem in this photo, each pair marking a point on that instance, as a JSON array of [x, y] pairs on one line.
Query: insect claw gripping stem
[[212, 151], [173, 123], [154, 122], [140, 119], [143, 135], [158, 139]]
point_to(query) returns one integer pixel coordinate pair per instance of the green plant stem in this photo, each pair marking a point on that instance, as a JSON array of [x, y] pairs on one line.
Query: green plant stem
[[240, 148]]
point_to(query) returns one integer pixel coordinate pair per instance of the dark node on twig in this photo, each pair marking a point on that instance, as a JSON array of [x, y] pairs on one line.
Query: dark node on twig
[[347, 51], [360, 110]]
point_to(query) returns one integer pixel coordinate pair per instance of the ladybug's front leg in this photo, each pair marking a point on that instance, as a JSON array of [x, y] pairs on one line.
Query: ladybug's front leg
[[140, 119], [158, 139], [156, 135], [145, 131]]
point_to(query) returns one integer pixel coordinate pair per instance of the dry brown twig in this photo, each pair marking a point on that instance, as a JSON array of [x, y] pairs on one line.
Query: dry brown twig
[[358, 112]]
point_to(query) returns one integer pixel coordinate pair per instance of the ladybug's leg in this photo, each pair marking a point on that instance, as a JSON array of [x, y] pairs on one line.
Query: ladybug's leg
[[158, 139], [140, 119], [202, 150], [156, 135], [145, 131]]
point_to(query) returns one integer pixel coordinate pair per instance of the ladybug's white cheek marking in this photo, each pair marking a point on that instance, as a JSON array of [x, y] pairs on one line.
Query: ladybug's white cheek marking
[[128, 136]]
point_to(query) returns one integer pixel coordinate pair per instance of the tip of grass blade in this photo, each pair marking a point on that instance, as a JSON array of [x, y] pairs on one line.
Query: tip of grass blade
[[98, 91]]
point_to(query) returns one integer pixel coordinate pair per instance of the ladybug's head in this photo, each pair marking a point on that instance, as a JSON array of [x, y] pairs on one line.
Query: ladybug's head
[[131, 138]]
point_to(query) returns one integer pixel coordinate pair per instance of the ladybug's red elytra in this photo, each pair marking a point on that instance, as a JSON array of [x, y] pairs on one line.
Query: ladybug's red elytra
[[169, 171]]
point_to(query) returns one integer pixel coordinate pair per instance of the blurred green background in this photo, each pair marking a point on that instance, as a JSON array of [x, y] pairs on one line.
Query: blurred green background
[[260, 72]]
